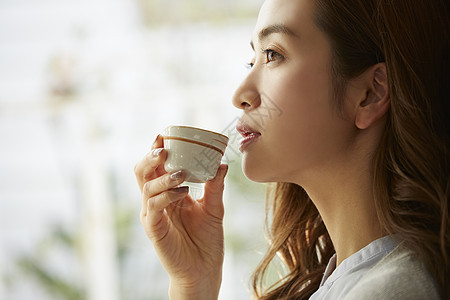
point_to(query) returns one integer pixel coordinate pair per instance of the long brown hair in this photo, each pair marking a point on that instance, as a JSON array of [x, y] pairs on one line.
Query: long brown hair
[[411, 164]]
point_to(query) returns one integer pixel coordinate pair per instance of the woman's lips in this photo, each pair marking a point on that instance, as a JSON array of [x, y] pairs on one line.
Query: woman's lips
[[250, 138], [250, 135]]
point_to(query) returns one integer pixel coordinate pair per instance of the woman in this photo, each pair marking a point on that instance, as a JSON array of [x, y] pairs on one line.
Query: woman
[[359, 157]]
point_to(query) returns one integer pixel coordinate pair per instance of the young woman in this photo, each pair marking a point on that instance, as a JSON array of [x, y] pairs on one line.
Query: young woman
[[359, 157]]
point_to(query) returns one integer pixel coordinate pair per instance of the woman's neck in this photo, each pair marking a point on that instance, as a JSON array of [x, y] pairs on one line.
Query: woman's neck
[[345, 202]]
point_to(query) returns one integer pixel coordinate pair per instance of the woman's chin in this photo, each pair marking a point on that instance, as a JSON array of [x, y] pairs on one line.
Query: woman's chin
[[255, 171]]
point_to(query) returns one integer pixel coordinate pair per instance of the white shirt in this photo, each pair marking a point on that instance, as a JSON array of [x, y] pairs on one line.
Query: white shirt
[[337, 282]]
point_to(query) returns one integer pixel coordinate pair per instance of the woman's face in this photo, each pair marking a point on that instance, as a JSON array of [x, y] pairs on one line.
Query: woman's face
[[292, 72]]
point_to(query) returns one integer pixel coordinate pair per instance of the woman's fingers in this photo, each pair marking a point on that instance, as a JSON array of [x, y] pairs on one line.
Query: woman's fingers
[[159, 185], [159, 143], [212, 199], [154, 217], [146, 168], [152, 163]]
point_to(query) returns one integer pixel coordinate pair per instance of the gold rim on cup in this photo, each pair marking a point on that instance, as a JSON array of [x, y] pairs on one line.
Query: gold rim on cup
[[182, 126]]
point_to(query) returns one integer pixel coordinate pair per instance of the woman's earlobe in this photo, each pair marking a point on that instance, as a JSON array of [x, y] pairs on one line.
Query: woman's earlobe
[[371, 113]]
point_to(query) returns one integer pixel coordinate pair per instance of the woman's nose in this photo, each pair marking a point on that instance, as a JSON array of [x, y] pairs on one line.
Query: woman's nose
[[246, 96]]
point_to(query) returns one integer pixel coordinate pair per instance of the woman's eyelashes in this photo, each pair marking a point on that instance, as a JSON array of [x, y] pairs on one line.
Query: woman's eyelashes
[[250, 65], [272, 55], [269, 57]]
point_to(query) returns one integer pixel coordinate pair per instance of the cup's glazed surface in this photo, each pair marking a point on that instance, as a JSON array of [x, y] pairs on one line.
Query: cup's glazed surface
[[196, 151]]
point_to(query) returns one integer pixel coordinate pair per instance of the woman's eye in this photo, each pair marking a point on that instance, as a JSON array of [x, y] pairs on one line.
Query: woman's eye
[[272, 55], [250, 64]]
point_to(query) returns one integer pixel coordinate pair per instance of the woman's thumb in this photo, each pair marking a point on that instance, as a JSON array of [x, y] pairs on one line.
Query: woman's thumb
[[214, 192]]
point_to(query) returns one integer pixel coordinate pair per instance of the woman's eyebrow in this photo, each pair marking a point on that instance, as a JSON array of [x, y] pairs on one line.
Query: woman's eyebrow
[[276, 28]]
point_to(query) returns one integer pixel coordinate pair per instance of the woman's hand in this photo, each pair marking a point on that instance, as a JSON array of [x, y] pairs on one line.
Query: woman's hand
[[187, 234]]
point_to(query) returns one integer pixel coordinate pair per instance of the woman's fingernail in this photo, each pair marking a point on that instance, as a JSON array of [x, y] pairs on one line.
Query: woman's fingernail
[[180, 190], [224, 170], [157, 152], [176, 176], [157, 137]]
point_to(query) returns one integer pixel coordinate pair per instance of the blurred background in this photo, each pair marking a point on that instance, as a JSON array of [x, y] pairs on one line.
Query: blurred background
[[85, 87]]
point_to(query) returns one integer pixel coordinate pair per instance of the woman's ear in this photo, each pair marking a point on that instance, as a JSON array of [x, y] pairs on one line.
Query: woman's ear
[[376, 102]]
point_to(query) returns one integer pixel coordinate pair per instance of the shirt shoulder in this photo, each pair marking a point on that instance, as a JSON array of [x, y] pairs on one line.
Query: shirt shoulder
[[400, 276]]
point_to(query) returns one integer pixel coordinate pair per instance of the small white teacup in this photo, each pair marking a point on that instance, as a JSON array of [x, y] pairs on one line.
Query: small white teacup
[[196, 151]]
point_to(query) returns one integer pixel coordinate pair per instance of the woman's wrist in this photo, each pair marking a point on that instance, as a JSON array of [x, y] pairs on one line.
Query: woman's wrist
[[207, 289]]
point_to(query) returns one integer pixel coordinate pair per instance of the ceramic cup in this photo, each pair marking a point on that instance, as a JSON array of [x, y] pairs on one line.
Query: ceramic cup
[[196, 151]]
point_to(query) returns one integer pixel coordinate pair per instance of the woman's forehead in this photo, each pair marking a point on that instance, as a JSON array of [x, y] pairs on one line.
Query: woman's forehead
[[292, 14], [295, 15]]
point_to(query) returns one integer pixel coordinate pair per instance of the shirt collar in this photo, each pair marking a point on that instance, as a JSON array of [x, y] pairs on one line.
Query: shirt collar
[[378, 248]]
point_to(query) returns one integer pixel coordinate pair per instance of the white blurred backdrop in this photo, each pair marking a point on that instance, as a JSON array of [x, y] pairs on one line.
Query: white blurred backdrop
[[85, 87]]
